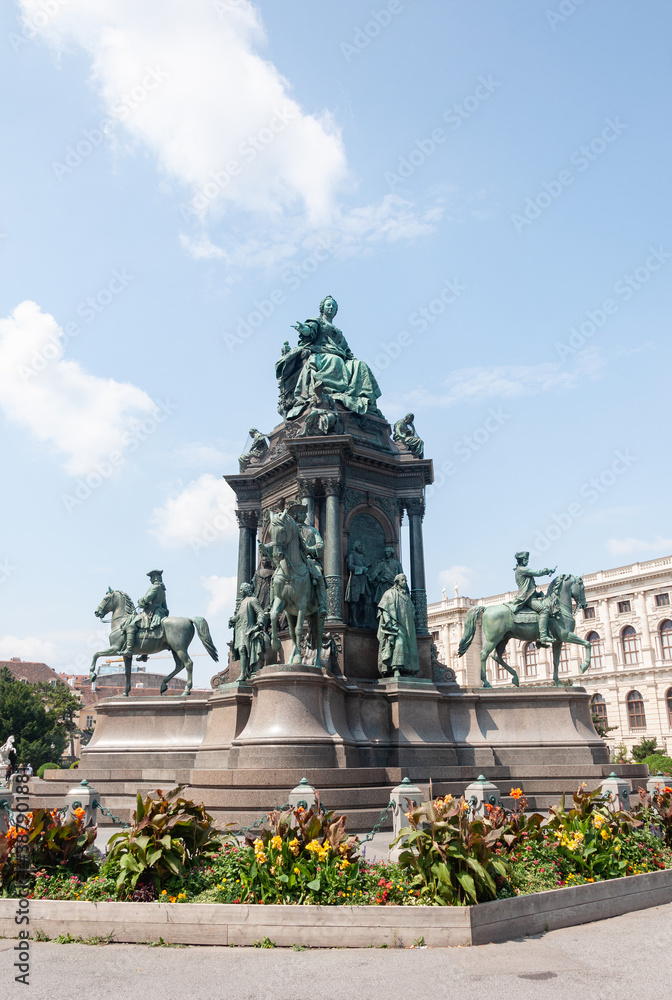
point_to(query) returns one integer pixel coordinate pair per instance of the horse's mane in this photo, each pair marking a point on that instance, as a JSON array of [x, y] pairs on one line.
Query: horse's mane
[[130, 606], [556, 583]]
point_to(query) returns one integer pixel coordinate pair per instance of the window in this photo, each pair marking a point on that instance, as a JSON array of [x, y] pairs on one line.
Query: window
[[623, 607], [563, 666], [636, 715], [501, 672], [530, 659], [598, 708], [630, 645], [52, 682], [596, 650], [89, 722], [662, 600], [435, 637], [668, 699], [666, 639], [588, 613]]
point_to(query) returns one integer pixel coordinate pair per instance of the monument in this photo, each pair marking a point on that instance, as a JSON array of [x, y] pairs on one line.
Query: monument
[[333, 675]]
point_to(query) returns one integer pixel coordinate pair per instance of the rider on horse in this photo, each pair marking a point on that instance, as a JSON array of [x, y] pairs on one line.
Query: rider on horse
[[153, 612], [529, 597]]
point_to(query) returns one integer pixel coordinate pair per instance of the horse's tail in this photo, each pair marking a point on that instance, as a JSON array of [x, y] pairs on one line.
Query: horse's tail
[[205, 637], [470, 623]]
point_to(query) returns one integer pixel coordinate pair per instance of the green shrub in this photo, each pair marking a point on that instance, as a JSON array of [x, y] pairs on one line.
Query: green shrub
[[74, 764], [659, 762], [47, 767], [168, 835], [644, 749]]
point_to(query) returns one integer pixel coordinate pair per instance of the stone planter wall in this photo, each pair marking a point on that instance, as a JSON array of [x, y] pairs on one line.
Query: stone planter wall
[[342, 926]]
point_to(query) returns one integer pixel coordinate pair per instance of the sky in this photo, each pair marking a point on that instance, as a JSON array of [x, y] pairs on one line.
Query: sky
[[483, 185]]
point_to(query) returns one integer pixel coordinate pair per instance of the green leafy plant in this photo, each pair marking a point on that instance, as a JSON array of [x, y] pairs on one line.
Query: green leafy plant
[[590, 835], [53, 843], [655, 811], [167, 835], [450, 855], [619, 754]]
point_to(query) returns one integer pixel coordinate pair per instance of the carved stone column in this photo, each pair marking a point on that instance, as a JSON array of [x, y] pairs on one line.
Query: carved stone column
[[307, 494], [416, 511], [247, 540], [333, 561]]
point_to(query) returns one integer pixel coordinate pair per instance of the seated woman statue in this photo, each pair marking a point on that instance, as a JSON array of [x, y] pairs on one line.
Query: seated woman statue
[[323, 355]]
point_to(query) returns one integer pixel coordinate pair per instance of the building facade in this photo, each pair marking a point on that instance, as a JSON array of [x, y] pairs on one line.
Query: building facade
[[628, 622]]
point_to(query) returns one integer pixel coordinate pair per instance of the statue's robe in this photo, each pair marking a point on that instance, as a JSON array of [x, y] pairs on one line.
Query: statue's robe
[[357, 581], [248, 632], [397, 642], [384, 575], [261, 584]]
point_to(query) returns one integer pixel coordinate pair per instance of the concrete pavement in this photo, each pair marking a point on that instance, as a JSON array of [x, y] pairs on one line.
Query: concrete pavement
[[616, 959]]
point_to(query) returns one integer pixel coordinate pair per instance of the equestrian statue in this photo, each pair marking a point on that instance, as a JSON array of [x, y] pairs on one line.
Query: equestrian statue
[[547, 619], [150, 630], [298, 586]]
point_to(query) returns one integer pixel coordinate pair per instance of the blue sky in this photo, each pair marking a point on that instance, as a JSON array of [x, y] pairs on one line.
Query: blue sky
[[483, 186]]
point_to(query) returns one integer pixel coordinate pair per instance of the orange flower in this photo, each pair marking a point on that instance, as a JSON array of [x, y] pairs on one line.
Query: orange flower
[[667, 790], [79, 812], [516, 793]]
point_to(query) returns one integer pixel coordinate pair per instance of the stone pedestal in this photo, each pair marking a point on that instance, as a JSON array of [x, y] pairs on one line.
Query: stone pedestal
[[297, 719]]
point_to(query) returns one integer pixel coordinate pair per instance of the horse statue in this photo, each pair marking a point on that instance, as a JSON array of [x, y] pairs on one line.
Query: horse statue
[[500, 624], [176, 636], [292, 590]]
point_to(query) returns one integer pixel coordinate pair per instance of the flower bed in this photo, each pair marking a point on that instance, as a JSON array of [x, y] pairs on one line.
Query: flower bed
[[449, 856]]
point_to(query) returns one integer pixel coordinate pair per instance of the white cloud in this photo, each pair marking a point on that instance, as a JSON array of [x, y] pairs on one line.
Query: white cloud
[[201, 248], [217, 115], [223, 126], [631, 546], [203, 456], [460, 575], [222, 595], [201, 513], [31, 649], [84, 417], [473, 385]]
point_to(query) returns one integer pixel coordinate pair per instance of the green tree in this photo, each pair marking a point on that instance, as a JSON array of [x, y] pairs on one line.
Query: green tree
[[39, 736], [65, 705], [644, 749]]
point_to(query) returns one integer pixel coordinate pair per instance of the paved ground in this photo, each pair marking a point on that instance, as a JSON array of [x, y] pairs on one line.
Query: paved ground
[[619, 959]]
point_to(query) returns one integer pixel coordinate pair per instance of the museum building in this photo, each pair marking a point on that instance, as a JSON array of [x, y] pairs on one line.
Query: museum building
[[628, 622]]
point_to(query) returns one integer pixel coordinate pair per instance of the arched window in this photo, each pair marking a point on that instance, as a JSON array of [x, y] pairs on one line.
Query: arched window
[[668, 699], [596, 650], [531, 660], [630, 641], [666, 639], [563, 666], [598, 708], [636, 714]]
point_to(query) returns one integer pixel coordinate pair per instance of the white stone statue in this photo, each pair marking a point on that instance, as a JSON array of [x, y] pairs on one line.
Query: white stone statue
[[5, 750]]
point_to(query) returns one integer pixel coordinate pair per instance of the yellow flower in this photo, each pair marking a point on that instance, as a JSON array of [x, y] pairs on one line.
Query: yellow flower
[[604, 834], [276, 843], [314, 847], [294, 846], [344, 864], [164, 892], [171, 899], [296, 871]]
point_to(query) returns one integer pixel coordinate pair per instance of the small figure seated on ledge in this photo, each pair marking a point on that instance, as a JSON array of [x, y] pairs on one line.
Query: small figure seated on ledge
[[404, 432], [258, 449]]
